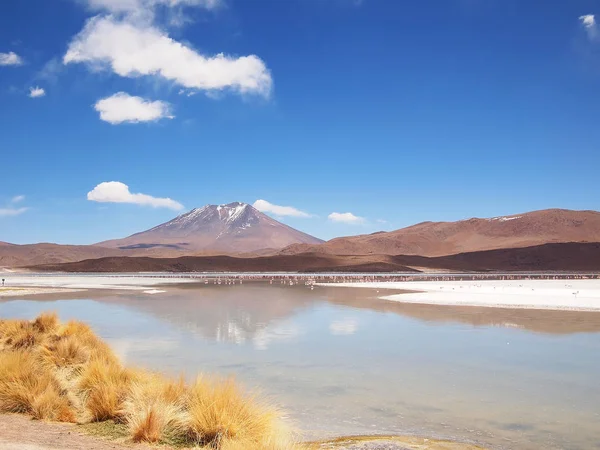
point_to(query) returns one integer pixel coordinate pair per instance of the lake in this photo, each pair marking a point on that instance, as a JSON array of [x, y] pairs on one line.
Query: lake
[[342, 362]]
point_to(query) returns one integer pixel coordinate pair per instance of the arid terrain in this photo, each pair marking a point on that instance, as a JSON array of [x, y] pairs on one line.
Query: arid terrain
[[19, 432], [466, 236], [548, 257], [237, 237]]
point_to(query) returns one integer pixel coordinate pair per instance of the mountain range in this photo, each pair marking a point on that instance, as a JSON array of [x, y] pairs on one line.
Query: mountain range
[[205, 238], [471, 235]]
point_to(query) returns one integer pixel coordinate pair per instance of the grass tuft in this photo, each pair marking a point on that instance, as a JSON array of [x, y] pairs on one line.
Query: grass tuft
[[220, 416], [45, 323], [104, 388]]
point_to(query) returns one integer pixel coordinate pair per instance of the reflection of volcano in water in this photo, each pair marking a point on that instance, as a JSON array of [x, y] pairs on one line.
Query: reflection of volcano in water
[[258, 314], [237, 314]]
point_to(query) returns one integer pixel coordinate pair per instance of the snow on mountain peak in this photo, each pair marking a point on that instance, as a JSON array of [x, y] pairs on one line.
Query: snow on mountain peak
[[234, 226]]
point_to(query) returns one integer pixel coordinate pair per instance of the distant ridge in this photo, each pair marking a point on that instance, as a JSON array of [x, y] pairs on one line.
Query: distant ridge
[[577, 257], [471, 235], [233, 228], [552, 239]]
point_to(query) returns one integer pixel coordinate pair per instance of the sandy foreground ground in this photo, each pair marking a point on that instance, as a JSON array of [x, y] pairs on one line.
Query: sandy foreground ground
[[32, 284], [581, 295], [21, 433], [18, 432]]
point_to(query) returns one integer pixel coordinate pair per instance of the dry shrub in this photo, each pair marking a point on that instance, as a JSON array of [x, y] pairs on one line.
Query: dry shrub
[[24, 388], [18, 381], [220, 416], [152, 422], [22, 336], [104, 388], [155, 407], [74, 328], [46, 323], [64, 351], [50, 405], [84, 335]]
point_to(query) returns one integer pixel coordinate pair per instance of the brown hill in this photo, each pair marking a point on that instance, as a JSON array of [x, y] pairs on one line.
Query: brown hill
[[232, 229], [221, 263], [581, 257], [448, 238], [13, 255]]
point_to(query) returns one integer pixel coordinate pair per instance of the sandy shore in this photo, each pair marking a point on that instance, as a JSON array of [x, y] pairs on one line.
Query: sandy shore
[[580, 295], [18, 432]]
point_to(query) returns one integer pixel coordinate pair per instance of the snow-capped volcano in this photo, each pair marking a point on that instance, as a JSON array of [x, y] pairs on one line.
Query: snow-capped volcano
[[232, 228]]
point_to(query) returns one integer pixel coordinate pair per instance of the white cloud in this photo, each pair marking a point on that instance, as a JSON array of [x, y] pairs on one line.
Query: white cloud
[[124, 108], [35, 92], [266, 207], [383, 221], [11, 210], [137, 6], [133, 49], [4, 212], [589, 23], [343, 327], [117, 192], [345, 218], [10, 59]]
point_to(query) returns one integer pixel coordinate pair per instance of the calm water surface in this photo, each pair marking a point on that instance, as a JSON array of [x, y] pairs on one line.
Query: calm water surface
[[342, 362]]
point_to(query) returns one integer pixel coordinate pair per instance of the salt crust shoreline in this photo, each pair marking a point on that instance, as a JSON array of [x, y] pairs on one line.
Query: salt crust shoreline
[[565, 294], [25, 285], [576, 295]]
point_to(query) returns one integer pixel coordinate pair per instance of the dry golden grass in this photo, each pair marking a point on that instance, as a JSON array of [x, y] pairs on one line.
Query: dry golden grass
[[218, 412], [64, 372], [46, 323], [19, 382], [104, 388], [24, 388], [155, 407]]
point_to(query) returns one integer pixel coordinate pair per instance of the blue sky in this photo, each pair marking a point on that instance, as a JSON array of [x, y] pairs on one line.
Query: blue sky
[[393, 111]]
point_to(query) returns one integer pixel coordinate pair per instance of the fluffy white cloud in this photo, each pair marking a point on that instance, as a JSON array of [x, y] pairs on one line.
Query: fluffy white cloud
[[345, 218], [134, 48], [4, 212], [589, 23], [17, 199], [266, 207], [135, 6], [117, 192], [35, 92], [10, 59], [124, 108]]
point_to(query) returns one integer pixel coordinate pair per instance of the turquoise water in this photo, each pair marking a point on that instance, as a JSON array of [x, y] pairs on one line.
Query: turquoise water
[[342, 362]]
